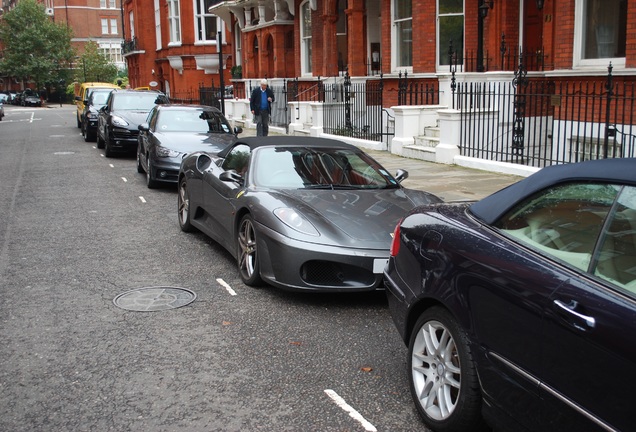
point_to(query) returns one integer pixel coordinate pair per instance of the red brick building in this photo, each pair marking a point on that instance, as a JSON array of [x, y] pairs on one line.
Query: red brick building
[[171, 45], [91, 20], [173, 42]]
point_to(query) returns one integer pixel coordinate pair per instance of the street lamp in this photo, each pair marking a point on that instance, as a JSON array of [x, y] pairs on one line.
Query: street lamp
[[482, 13], [540, 4]]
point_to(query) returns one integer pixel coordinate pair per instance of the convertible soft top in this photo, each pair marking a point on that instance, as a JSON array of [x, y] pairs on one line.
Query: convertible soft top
[[619, 171], [254, 142]]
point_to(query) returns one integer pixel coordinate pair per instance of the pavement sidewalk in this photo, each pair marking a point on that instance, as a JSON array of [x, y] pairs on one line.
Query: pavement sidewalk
[[449, 182]]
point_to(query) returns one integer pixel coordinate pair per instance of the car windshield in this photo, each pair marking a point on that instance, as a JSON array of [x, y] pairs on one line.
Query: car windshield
[[99, 97], [134, 101], [189, 120], [318, 168]]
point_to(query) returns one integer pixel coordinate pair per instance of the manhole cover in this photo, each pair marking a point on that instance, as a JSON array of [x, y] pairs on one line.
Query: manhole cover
[[151, 299]]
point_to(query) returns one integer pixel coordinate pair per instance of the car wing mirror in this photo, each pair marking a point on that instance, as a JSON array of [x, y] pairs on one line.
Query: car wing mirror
[[401, 175], [238, 130], [231, 176], [78, 98], [144, 127]]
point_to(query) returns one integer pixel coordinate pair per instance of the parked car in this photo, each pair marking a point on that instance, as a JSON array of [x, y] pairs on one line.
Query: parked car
[[4, 98], [119, 119], [92, 105], [299, 213], [30, 98], [521, 308], [17, 99], [1, 110], [84, 93], [173, 131]]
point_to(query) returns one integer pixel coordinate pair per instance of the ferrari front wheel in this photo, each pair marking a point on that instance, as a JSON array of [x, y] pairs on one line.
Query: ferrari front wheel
[[183, 207], [442, 374], [247, 253]]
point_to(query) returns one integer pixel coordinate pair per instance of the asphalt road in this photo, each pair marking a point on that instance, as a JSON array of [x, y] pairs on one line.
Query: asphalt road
[[78, 229]]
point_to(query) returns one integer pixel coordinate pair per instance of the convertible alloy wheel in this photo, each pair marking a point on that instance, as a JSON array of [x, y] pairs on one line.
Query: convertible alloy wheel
[[183, 207], [247, 253], [443, 379]]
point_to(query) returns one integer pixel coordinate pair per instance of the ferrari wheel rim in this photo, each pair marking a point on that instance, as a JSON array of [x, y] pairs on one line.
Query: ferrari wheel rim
[[247, 248], [184, 204], [436, 370]]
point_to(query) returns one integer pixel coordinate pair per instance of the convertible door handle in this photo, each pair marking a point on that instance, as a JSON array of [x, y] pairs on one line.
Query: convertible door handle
[[570, 309]]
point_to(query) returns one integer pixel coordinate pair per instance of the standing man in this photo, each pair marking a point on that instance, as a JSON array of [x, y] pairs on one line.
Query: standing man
[[260, 104]]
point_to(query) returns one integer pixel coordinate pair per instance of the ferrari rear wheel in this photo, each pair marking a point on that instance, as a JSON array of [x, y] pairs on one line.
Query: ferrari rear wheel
[[247, 253], [443, 377], [183, 207]]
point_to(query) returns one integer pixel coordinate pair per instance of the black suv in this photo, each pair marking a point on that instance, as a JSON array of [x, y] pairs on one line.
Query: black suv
[[118, 120], [92, 105]]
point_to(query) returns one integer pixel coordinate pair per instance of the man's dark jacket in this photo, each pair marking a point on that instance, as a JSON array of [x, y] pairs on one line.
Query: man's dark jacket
[[255, 100]]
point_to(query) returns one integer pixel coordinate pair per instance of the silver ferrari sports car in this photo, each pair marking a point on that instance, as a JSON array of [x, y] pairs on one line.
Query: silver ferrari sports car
[[297, 213]]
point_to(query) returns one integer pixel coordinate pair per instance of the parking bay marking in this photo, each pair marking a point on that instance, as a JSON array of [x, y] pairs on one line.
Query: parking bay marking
[[125, 179], [226, 286], [142, 199], [352, 412]]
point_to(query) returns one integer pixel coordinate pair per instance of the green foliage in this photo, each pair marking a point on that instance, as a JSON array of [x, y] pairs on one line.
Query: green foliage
[[93, 66], [35, 48]]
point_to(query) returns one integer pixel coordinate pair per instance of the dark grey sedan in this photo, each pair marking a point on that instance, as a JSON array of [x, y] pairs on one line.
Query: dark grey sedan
[[173, 131], [298, 213]]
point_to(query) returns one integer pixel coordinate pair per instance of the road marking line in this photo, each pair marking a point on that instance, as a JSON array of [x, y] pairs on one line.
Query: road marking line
[[111, 165], [226, 286], [352, 412], [124, 179], [31, 120], [142, 199]]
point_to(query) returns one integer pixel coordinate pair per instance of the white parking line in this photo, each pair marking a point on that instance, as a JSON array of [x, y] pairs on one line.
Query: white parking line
[[124, 179], [142, 199], [226, 286], [353, 413], [111, 165]]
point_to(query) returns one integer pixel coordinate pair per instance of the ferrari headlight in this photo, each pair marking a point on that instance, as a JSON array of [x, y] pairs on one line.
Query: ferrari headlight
[[118, 121], [294, 220], [166, 152]]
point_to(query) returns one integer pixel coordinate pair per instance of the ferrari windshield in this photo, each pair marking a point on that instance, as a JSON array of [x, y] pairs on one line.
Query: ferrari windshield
[[318, 168], [191, 120]]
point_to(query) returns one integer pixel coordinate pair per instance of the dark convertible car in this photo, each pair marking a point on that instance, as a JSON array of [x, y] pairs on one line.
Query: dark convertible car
[[173, 131], [520, 309], [298, 213]]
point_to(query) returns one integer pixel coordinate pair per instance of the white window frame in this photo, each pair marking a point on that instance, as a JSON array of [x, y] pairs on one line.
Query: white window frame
[[131, 22], [174, 22], [395, 66], [112, 23], [105, 27], [157, 24], [444, 67], [199, 20], [107, 4], [305, 41], [578, 60], [238, 45]]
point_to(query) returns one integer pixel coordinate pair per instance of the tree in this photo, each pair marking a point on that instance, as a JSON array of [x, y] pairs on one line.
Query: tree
[[93, 66], [35, 48]]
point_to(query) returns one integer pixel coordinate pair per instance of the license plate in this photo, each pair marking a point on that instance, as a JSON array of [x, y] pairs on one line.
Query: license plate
[[379, 264]]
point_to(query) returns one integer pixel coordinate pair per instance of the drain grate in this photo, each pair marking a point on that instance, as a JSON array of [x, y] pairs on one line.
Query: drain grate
[[152, 299]]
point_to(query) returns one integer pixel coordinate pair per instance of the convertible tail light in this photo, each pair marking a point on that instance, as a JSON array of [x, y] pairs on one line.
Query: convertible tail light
[[395, 244]]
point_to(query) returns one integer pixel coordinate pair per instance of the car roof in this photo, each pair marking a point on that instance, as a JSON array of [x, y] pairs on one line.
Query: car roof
[[180, 107], [618, 171], [287, 141]]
